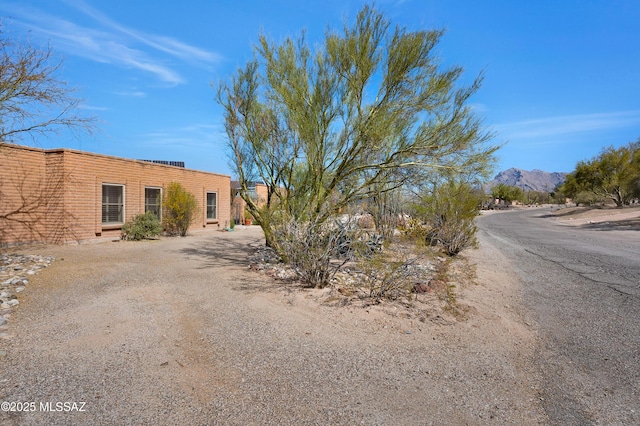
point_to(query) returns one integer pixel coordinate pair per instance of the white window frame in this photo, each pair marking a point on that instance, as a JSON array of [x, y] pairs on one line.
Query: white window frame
[[122, 205], [159, 188], [215, 210]]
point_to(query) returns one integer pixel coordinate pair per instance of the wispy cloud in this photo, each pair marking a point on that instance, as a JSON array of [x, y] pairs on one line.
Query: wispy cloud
[[193, 136], [112, 43], [92, 107], [550, 127], [132, 93], [162, 43]]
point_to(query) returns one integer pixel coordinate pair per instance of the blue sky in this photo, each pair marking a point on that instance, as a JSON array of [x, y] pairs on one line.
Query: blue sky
[[562, 78]]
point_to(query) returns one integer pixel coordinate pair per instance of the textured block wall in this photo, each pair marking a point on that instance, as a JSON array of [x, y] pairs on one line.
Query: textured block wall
[[70, 184]]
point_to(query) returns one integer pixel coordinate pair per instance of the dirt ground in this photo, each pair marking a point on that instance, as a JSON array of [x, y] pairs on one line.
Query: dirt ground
[[627, 218], [179, 331]]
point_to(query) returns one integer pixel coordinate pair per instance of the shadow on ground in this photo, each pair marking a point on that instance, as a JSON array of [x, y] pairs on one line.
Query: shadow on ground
[[618, 225], [216, 252]]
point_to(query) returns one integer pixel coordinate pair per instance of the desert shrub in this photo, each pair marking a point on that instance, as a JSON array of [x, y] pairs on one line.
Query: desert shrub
[[141, 227], [366, 222], [317, 250], [450, 211], [383, 277], [310, 248], [398, 272], [415, 229], [179, 208]]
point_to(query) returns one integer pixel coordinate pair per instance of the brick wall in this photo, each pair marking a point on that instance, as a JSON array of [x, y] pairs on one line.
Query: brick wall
[[22, 206], [72, 181]]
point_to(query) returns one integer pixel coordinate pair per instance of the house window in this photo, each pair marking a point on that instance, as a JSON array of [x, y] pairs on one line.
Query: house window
[[253, 193], [212, 205], [112, 204], [153, 201]]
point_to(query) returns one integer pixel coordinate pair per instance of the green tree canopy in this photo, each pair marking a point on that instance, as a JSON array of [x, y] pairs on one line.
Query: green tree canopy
[[614, 174], [362, 114], [507, 192]]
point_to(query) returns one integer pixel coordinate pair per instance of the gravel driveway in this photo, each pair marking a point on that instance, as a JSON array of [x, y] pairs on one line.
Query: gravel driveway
[[179, 331]]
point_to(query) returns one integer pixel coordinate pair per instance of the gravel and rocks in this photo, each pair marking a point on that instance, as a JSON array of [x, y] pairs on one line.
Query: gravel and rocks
[[15, 272], [178, 331], [418, 275]]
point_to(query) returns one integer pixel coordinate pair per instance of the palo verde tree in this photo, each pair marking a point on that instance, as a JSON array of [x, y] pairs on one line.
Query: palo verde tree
[[354, 118], [614, 174]]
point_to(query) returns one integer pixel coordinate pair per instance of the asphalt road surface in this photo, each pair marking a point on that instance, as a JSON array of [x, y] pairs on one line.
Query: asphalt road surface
[[581, 289]]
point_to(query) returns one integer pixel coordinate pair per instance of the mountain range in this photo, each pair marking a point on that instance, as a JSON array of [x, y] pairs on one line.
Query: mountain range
[[528, 180]]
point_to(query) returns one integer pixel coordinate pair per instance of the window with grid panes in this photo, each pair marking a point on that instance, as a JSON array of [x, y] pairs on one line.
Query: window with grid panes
[[212, 205], [112, 204], [153, 201]]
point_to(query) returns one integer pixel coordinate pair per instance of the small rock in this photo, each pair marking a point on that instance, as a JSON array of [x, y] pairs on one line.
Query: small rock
[[421, 287], [12, 302], [3, 320], [19, 289]]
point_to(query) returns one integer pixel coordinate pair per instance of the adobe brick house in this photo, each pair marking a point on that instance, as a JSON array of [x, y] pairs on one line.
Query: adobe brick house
[[258, 191], [59, 196]]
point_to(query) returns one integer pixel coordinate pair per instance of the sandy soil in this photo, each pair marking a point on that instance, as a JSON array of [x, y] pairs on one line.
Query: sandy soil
[[180, 331], [626, 218]]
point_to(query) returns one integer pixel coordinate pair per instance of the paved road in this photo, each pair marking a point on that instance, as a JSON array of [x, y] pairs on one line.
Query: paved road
[[581, 287]]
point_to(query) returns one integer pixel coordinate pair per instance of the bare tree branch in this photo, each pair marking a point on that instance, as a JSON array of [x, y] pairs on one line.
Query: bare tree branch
[[33, 101]]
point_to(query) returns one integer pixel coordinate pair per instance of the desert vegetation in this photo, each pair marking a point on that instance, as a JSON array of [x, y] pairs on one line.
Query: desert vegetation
[[142, 227], [369, 123], [179, 208], [613, 175]]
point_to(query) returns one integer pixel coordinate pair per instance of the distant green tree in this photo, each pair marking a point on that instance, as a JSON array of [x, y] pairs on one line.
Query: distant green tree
[[614, 174], [507, 192]]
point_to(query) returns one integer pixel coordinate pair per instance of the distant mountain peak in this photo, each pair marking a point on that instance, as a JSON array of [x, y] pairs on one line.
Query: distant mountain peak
[[528, 180]]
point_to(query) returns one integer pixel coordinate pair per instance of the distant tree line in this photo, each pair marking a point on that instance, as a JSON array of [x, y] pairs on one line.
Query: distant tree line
[[511, 193], [611, 176]]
